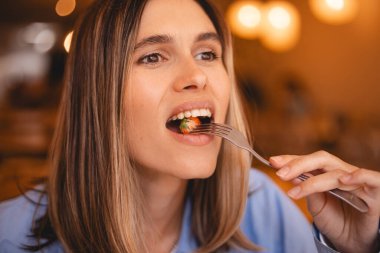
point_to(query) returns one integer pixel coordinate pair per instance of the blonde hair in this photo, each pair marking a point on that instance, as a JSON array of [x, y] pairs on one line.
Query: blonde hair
[[95, 201]]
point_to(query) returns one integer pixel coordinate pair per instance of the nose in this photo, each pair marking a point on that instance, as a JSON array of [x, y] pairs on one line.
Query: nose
[[190, 76]]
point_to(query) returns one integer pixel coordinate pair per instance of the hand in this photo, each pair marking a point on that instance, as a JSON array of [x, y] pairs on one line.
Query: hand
[[345, 227]]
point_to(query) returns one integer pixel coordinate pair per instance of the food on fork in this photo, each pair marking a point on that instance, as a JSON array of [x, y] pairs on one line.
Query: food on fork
[[186, 121], [189, 124]]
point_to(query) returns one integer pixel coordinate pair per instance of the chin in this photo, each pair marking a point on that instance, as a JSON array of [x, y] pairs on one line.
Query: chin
[[199, 163], [197, 170]]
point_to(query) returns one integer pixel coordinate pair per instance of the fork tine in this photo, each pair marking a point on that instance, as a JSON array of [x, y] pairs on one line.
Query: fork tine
[[216, 133], [221, 126], [210, 128], [204, 126], [234, 136], [213, 126], [303, 177]]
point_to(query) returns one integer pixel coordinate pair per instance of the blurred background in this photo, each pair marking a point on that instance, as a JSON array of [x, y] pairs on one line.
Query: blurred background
[[308, 72]]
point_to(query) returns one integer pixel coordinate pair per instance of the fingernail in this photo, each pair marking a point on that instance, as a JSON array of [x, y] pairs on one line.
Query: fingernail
[[283, 172], [294, 192]]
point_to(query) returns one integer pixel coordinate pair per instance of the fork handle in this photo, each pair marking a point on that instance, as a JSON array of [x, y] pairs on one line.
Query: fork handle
[[350, 199], [345, 196]]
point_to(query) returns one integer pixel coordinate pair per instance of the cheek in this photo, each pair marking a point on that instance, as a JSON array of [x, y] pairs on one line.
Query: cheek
[[226, 94], [139, 102], [143, 98], [223, 91], [144, 123]]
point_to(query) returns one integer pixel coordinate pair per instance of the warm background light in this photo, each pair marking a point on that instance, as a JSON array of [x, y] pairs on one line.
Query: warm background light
[[334, 12], [281, 26], [245, 18], [67, 42], [40, 35], [310, 90], [44, 41], [65, 7]]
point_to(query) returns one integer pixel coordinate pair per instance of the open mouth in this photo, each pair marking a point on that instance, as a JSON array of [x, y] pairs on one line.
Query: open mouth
[[185, 122]]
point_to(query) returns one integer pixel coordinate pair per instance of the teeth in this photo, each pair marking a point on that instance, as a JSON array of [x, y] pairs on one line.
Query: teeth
[[188, 114], [195, 113], [180, 115], [203, 112]]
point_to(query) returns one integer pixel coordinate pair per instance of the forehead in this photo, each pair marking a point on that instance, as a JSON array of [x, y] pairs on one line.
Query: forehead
[[174, 17]]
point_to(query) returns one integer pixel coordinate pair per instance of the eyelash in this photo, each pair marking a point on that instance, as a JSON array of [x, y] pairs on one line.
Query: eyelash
[[209, 53], [147, 59]]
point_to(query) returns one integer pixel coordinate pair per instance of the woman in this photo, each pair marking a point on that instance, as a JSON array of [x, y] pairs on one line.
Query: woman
[[124, 180]]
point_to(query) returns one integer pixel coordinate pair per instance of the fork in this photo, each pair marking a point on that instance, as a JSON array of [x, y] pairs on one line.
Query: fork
[[238, 139]]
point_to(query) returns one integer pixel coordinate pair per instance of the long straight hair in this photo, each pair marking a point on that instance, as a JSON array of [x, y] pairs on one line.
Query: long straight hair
[[95, 199]]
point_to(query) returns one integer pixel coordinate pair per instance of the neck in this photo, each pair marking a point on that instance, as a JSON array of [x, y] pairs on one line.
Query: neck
[[165, 196]]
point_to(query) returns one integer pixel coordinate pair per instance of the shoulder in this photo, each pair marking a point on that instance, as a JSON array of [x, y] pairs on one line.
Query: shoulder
[[272, 220], [16, 219]]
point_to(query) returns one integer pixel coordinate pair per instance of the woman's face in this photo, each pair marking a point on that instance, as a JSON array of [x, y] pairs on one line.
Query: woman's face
[[177, 68]]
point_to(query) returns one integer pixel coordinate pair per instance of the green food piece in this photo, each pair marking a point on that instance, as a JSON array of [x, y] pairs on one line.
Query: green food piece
[[189, 124], [184, 126]]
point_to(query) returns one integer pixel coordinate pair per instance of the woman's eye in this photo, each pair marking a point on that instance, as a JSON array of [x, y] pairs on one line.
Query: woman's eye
[[151, 59], [206, 56]]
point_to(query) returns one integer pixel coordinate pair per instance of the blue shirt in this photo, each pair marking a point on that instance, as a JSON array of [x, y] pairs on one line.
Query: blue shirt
[[271, 220]]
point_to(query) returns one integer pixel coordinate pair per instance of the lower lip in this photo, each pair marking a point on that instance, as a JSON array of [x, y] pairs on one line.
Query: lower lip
[[193, 139]]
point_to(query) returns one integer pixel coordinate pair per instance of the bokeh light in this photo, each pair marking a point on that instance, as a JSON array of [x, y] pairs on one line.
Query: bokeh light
[[244, 18], [281, 26], [65, 7], [334, 12], [67, 41], [41, 36], [44, 41]]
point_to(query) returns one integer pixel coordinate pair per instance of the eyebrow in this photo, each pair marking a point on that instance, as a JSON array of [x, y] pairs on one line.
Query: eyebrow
[[208, 36], [164, 39], [154, 39]]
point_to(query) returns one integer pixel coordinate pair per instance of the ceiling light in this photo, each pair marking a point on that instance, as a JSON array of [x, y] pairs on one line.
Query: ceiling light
[[244, 18], [65, 7], [335, 12], [281, 26]]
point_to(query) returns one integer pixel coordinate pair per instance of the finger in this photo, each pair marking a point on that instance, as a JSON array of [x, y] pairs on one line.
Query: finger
[[362, 176], [372, 199], [323, 208], [321, 183], [297, 180], [370, 190], [316, 203], [281, 160], [307, 163]]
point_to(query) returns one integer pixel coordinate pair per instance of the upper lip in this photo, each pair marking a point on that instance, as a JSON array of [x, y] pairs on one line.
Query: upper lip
[[188, 106]]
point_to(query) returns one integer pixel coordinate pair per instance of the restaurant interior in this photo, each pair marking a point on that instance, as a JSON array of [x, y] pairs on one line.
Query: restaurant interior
[[308, 72]]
